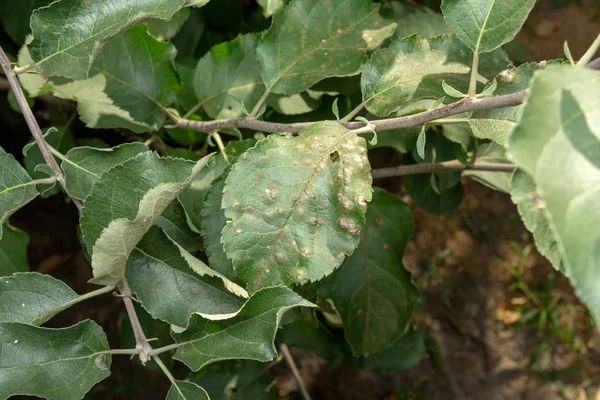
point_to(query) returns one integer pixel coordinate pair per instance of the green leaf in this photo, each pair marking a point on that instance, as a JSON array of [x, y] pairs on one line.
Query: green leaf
[[84, 165], [296, 104], [335, 109], [139, 80], [535, 217], [311, 40], [13, 251], [181, 390], [271, 7], [414, 68], [498, 123], [401, 354], [33, 83], [296, 205], [236, 380], [372, 290], [166, 30], [489, 89], [492, 153], [123, 205], [57, 364], [450, 91], [247, 335], [168, 288], [558, 136], [228, 77], [33, 298], [420, 190], [59, 138], [485, 25], [84, 28], [193, 196], [425, 24], [16, 187], [174, 223]]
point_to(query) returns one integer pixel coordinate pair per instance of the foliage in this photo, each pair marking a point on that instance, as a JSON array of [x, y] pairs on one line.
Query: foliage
[[279, 237]]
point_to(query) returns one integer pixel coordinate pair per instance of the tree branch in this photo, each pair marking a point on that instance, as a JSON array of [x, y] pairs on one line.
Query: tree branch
[[414, 169], [141, 342], [36, 132], [409, 121], [287, 356]]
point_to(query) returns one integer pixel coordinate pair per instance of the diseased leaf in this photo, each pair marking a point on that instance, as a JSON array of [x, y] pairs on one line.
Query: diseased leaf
[[166, 30], [535, 217], [557, 143], [123, 205], [247, 335], [485, 25], [84, 165], [33, 83], [227, 78], [57, 364], [372, 290], [311, 40], [414, 68], [192, 197], [13, 251], [296, 205], [16, 187], [84, 29], [32, 298], [168, 288], [181, 390]]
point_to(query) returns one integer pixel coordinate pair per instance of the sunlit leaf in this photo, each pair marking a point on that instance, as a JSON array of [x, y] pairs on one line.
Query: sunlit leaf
[[535, 217], [484, 25], [296, 205], [271, 7], [557, 143], [57, 364], [414, 68], [166, 30], [491, 153], [85, 26], [247, 335], [311, 40], [372, 290], [123, 205]]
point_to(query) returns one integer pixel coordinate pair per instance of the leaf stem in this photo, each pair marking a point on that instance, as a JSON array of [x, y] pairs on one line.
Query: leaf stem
[[414, 169], [474, 71], [220, 145], [287, 356], [260, 103], [36, 132], [131, 352], [141, 342], [585, 59], [44, 181], [165, 370], [353, 113], [164, 349]]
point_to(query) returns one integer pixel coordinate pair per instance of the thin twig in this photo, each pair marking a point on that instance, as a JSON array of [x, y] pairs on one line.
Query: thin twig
[[141, 342], [455, 165], [36, 132], [409, 121], [287, 356]]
